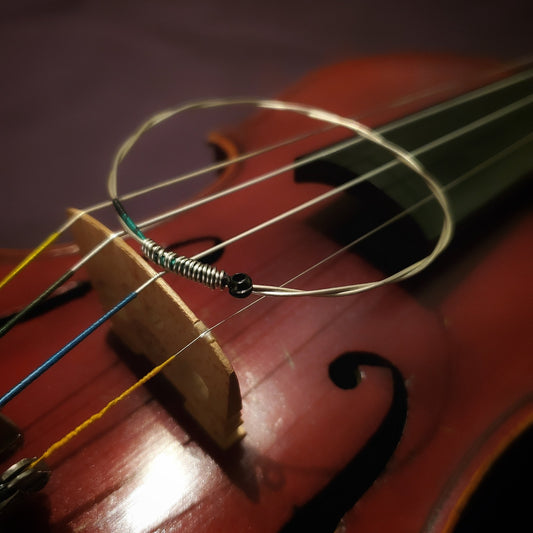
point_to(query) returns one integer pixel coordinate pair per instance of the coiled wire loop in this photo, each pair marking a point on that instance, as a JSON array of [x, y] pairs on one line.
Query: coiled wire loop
[[189, 268], [240, 285]]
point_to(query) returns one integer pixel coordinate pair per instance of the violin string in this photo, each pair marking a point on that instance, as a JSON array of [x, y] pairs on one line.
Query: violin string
[[150, 222], [405, 157], [50, 239], [30, 257], [156, 370], [18, 317], [52, 360], [264, 288], [402, 101], [241, 285]]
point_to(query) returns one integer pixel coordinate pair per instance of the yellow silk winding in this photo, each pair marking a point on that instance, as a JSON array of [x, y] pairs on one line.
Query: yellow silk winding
[[30, 257], [69, 436]]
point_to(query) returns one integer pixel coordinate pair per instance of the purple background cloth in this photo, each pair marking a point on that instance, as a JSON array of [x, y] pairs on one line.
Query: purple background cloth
[[77, 77]]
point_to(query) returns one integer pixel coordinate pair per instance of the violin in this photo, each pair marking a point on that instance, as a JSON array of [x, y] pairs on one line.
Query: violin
[[407, 408]]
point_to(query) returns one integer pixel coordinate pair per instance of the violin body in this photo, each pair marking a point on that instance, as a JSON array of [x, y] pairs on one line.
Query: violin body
[[379, 412]]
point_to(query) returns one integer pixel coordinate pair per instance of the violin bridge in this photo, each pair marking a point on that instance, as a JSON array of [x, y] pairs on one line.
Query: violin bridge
[[157, 323]]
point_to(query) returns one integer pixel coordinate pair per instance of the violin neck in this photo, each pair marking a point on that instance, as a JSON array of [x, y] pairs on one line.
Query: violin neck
[[477, 146]]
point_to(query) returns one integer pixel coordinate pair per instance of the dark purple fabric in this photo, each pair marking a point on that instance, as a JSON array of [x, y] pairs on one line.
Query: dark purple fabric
[[77, 77]]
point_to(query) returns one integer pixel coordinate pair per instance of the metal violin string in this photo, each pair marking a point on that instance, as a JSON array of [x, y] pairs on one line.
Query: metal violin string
[[52, 237], [457, 181], [241, 285]]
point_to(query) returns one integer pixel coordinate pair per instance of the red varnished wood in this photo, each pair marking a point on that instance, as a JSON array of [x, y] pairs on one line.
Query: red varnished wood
[[147, 468], [489, 400]]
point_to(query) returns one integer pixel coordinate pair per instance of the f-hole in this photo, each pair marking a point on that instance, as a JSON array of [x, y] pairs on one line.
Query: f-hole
[[326, 509]]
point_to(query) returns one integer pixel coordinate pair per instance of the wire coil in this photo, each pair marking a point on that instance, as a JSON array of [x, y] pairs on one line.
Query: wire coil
[[192, 269], [240, 285]]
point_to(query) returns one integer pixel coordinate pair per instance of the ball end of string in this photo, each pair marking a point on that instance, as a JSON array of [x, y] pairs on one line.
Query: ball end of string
[[239, 285]]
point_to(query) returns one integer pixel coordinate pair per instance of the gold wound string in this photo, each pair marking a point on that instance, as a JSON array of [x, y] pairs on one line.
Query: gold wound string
[[30, 257], [76, 431]]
